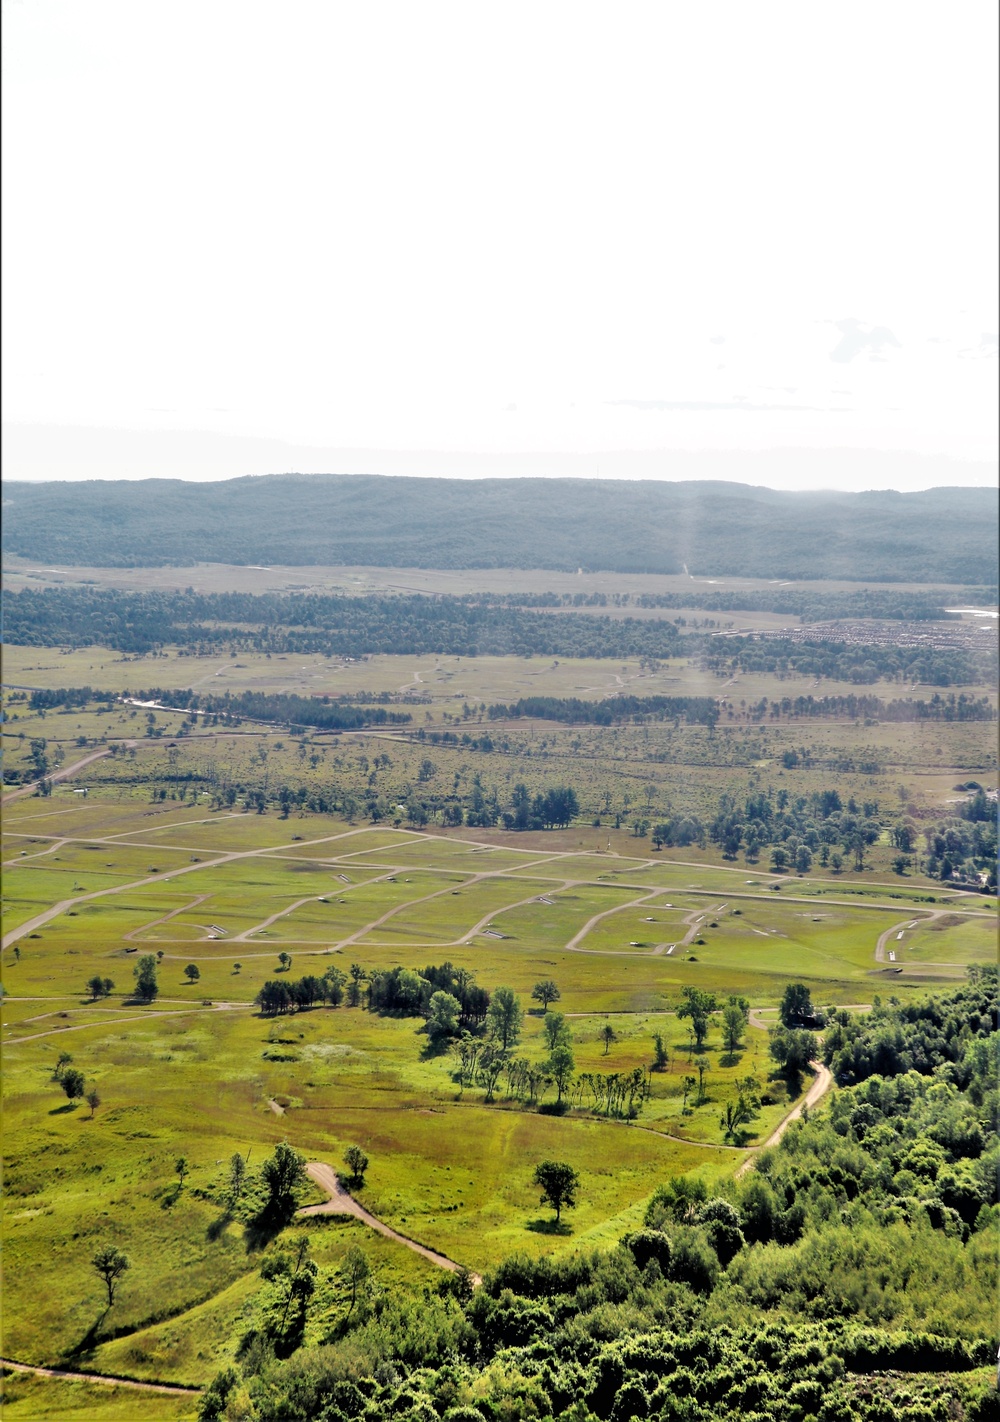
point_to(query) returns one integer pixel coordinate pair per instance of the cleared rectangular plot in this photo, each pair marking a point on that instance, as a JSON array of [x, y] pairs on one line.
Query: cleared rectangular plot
[[949, 941], [781, 938], [455, 913], [554, 925], [353, 909], [456, 854], [628, 931], [606, 867]]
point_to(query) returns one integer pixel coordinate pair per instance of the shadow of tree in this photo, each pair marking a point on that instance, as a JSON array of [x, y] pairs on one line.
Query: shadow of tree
[[217, 1226], [263, 1228], [731, 1059], [435, 1047], [547, 1226], [78, 1352], [64, 1109]]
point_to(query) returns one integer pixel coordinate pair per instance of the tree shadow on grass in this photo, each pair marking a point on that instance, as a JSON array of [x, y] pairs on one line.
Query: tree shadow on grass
[[547, 1226], [217, 1227], [731, 1059], [434, 1048], [553, 1108], [263, 1228], [64, 1110], [80, 1352]]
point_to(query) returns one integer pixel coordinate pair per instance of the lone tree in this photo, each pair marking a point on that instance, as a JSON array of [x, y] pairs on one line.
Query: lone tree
[[99, 987], [93, 1101], [182, 1168], [146, 986], [355, 1270], [111, 1264], [662, 1056], [504, 1017], [697, 1005], [72, 1083], [283, 1173], [192, 972], [237, 1174], [702, 1063], [545, 992], [559, 1183], [734, 1025], [608, 1035], [796, 1006], [284, 962], [357, 1162]]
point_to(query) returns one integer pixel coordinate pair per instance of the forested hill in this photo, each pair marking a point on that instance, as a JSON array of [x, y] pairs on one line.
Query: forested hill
[[945, 535]]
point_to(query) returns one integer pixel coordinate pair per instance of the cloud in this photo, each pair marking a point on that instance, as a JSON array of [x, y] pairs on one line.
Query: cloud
[[855, 339], [737, 404], [717, 340], [989, 345]]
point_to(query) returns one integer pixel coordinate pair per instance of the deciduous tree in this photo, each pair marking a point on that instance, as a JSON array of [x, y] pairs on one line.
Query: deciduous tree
[[504, 1018], [559, 1183], [545, 992], [111, 1264], [357, 1162]]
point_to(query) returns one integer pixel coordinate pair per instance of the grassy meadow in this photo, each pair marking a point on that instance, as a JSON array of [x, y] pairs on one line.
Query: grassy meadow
[[147, 863]]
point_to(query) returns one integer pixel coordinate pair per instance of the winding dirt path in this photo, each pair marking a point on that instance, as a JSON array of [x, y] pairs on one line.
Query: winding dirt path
[[816, 1092], [342, 1202], [103, 1378]]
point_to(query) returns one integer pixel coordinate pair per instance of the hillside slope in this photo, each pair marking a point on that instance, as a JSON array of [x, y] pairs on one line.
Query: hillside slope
[[944, 535]]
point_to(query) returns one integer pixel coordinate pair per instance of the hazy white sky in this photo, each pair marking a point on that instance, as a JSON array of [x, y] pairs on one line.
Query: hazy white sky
[[605, 230]]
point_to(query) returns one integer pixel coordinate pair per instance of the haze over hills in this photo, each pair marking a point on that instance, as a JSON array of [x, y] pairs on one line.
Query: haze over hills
[[944, 535]]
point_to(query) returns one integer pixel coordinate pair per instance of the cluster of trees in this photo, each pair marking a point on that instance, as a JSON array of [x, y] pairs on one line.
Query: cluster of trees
[[963, 848], [280, 995], [74, 1084], [795, 830], [814, 604], [951, 1034], [323, 713], [70, 697], [849, 1277], [873, 708], [862, 664], [695, 710]]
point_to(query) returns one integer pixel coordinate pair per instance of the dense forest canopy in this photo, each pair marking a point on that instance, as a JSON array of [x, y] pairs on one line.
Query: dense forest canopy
[[948, 535]]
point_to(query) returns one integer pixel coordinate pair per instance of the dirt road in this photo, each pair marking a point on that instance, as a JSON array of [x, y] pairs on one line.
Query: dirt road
[[341, 1202], [103, 1378], [816, 1092], [63, 774]]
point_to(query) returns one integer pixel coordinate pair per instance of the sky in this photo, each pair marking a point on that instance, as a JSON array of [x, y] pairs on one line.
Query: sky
[[641, 240]]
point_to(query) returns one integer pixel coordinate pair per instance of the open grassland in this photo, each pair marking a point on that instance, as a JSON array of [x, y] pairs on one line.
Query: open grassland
[[620, 927], [441, 682], [28, 1398], [348, 578]]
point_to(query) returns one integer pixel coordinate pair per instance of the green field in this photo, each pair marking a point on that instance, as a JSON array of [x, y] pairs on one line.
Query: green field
[[149, 862]]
